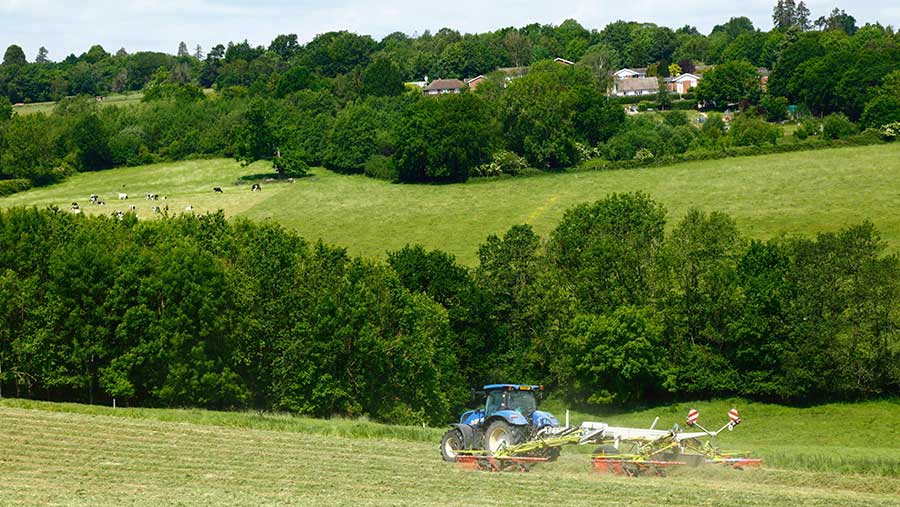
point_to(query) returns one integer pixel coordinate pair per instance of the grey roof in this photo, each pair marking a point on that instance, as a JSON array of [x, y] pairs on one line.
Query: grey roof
[[637, 84], [445, 84]]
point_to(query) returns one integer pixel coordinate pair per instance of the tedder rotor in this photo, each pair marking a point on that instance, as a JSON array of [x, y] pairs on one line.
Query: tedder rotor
[[509, 433]]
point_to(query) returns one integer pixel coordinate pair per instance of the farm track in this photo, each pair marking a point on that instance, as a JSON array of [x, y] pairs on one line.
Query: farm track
[[73, 459]]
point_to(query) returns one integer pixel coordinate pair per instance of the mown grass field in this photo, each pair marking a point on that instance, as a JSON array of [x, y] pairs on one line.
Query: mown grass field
[[61, 454], [125, 99], [792, 193]]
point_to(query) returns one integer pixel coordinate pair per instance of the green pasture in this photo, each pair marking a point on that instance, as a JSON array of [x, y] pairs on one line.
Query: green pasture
[[63, 454], [126, 99], [792, 193]]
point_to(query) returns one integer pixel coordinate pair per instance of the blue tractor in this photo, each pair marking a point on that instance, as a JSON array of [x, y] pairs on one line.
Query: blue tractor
[[508, 417]]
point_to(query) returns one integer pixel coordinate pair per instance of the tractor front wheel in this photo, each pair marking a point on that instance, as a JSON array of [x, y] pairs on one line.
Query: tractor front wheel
[[451, 442], [500, 434]]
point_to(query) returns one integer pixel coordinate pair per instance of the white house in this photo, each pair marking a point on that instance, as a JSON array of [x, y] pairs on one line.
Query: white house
[[683, 83], [563, 61], [635, 86], [630, 73], [475, 81], [440, 86]]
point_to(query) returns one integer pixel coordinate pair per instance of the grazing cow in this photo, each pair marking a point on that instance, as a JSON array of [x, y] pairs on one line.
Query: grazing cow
[[94, 198], [152, 197], [165, 197], [256, 188], [290, 180], [120, 215], [101, 203], [132, 207], [218, 190], [189, 208], [122, 196], [155, 209]]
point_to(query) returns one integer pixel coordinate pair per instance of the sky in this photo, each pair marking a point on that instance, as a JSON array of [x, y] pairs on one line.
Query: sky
[[67, 26]]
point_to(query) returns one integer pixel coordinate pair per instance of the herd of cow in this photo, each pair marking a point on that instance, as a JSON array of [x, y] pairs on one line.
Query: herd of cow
[[95, 200]]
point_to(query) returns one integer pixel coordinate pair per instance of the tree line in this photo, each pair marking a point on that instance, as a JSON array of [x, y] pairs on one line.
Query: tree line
[[609, 309], [552, 118], [340, 100]]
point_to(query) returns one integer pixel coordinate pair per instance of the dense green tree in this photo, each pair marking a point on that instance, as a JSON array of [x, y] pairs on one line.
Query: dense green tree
[[30, 149], [526, 304], [602, 60], [354, 137], [441, 139], [747, 130], [382, 78], [254, 139], [729, 83], [698, 264], [6, 110], [615, 358], [881, 110], [518, 47], [775, 108], [734, 27], [606, 250], [837, 20], [336, 53], [544, 113], [747, 46], [91, 142], [42, 56], [285, 46], [14, 56]]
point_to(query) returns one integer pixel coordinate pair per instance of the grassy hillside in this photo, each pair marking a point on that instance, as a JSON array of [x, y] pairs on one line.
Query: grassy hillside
[[125, 99], [794, 193], [77, 455]]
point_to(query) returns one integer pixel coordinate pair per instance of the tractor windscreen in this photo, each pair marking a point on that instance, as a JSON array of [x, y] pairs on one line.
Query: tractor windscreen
[[521, 401]]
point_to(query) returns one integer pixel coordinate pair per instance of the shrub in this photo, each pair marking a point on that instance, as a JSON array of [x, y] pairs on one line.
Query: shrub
[[891, 131], [506, 162], [379, 166], [234, 91], [882, 110], [291, 165], [586, 152], [838, 126], [809, 127], [509, 162], [643, 154], [775, 108], [676, 118], [681, 138], [8, 187], [626, 145], [127, 147], [685, 105], [173, 91], [749, 131]]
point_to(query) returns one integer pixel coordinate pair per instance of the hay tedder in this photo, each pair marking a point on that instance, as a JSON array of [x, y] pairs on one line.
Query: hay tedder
[[510, 433]]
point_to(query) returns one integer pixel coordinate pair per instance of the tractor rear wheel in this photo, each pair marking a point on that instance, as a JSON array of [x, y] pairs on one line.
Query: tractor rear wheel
[[500, 434], [451, 442]]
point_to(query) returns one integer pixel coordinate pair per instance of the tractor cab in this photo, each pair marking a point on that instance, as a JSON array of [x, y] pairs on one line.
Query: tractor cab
[[519, 398], [514, 403]]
